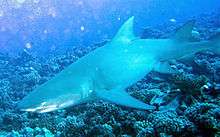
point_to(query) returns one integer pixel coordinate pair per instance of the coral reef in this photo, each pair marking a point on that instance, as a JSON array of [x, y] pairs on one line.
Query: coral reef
[[206, 116], [167, 122], [71, 126], [189, 87], [29, 132]]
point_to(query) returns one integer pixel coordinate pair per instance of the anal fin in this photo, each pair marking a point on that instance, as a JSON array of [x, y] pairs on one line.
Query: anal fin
[[164, 68], [121, 97], [187, 59]]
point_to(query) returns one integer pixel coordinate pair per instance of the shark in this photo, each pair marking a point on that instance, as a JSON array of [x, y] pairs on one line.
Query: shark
[[105, 73]]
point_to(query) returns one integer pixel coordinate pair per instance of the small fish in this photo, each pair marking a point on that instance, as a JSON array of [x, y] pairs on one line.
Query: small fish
[[172, 20], [195, 34]]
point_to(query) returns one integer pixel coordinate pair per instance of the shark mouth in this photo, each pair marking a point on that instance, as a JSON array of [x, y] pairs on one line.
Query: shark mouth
[[45, 107]]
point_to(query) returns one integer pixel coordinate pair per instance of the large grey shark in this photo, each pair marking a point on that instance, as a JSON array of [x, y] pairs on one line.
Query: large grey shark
[[106, 72]]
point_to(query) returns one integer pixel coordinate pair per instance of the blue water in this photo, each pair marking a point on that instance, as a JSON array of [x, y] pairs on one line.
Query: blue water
[[46, 25], [40, 38]]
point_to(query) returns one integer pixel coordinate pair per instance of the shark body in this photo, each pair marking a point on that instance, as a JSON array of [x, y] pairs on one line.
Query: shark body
[[106, 72]]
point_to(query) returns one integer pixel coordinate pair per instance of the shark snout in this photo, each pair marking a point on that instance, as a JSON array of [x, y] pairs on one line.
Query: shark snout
[[41, 105], [39, 108]]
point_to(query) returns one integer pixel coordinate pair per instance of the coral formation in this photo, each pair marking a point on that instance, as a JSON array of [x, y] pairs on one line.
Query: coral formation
[[206, 117]]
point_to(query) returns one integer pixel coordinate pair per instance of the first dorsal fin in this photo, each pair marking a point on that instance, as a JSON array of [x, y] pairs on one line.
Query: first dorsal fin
[[125, 33], [184, 33]]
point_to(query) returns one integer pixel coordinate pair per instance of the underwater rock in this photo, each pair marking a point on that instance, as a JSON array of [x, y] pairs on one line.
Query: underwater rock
[[13, 134], [71, 126], [162, 122], [4, 65], [152, 33], [29, 132], [22, 59], [170, 123], [189, 87], [6, 95], [101, 130], [13, 121], [24, 79], [146, 132], [209, 63], [207, 24], [139, 126], [64, 60]]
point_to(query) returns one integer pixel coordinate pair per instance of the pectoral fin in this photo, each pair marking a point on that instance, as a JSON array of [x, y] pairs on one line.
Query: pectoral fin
[[121, 97]]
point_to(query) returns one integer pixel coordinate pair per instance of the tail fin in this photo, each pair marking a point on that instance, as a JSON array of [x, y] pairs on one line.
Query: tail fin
[[215, 40]]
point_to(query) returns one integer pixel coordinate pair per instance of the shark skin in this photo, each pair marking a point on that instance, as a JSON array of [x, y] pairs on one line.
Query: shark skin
[[106, 72]]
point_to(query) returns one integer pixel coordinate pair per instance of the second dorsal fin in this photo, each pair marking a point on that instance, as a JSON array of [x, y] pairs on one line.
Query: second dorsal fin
[[184, 33]]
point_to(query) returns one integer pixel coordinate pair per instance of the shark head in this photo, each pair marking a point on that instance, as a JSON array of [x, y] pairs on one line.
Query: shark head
[[47, 104], [40, 108]]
